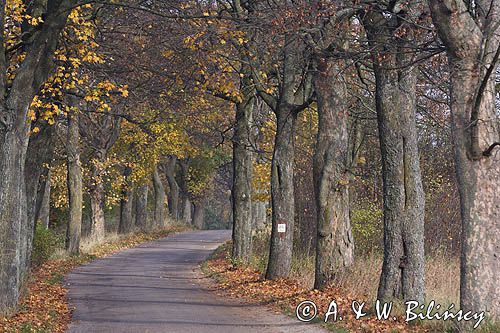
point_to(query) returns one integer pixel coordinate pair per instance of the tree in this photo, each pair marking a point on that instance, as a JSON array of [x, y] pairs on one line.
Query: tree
[[126, 203], [242, 172], [39, 44], [159, 189], [199, 214], [293, 95], [38, 160], [335, 244], [469, 31], [395, 98], [173, 197], [101, 132], [141, 208], [75, 184]]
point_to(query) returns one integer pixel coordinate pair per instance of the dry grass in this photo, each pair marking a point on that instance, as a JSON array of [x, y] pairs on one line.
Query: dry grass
[[360, 282], [442, 278], [442, 273], [88, 244]]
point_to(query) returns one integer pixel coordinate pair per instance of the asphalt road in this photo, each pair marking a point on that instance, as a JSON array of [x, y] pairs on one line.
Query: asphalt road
[[158, 287]]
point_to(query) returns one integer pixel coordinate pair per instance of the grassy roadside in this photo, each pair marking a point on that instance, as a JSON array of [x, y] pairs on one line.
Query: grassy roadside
[[284, 295], [44, 307]]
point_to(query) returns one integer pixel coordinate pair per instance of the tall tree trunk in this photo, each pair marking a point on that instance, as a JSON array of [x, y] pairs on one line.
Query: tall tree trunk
[[259, 218], [294, 96], [174, 191], [404, 262], [13, 208], [473, 51], [97, 201], [38, 160], [199, 214], [75, 185], [187, 208], [141, 208], [242, 176], [43, 215], [159, 213], [335, 244], [282, 194], [126, 204]]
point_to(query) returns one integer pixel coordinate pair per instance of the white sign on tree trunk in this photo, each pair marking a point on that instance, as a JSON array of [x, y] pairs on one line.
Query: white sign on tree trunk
[[281, 227]]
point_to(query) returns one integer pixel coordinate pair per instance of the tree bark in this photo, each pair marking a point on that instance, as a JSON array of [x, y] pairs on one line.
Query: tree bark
[[335, 244], [14, 127], [404, 206], [187, 206], [97, 201], [174, 191], [75, 185], [159, 213], [282, 194], [199, 215], [141, 208], [13, 213], [473, 50], [259, 216], [242, 176], [126, 204], [43, 215]]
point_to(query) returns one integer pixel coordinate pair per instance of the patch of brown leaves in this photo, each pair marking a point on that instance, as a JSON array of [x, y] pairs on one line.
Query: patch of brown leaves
[[249, 284], [44, 306]]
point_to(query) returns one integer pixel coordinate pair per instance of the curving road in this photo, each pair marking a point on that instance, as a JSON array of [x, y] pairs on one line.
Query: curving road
[[157, 287]]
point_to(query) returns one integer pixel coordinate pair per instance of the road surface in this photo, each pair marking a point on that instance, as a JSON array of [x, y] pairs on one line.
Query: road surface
[[158, 287]]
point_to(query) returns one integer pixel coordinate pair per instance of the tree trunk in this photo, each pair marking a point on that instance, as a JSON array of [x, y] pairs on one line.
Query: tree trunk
[[43, 215], [199, 215], [141, 208], [473, 53], [335, 244], [404, 262], [75, 185], [38, 160], [242, 178], [259, 216], [13, 212], [187, 207], [295, 94], [159, 213], [173, 197], [282, 194], [97, 201], [126, 204]]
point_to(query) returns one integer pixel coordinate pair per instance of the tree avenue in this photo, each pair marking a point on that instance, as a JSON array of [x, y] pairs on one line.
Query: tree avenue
[[325, 134]]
